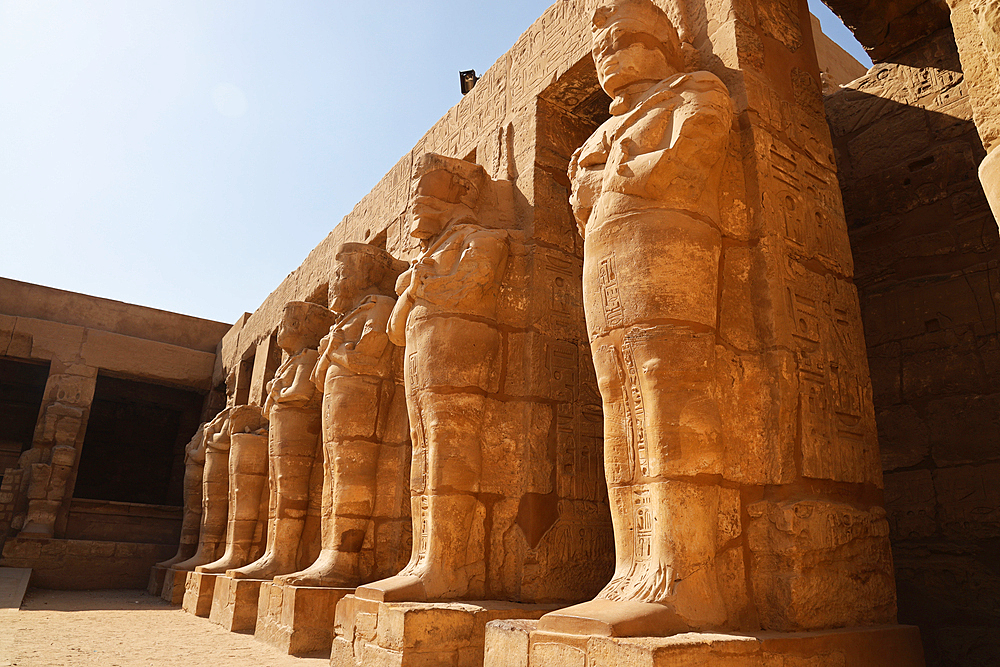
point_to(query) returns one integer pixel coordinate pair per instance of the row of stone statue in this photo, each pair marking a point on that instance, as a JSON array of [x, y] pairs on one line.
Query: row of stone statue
[[336, 392], [645, 193]]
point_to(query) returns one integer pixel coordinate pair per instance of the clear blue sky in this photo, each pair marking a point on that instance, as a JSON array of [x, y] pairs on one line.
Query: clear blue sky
[[188, 154]]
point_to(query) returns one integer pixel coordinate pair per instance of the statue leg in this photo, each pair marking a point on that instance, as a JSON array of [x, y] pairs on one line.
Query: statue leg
[[352, 465], [351, 408], [247, 481], [214, 512], [191, 523], [448, 557], [291, 449]]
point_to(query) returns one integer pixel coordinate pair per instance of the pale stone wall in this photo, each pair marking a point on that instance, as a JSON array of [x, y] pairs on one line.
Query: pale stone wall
[[926, 254]]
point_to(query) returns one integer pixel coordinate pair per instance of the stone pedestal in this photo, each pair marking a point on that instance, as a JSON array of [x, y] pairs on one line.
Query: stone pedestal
[[234, 603], [298, 620], [156, 576], [173, 586], [419, 633], [517, 644], [199, 590], [989, 176]]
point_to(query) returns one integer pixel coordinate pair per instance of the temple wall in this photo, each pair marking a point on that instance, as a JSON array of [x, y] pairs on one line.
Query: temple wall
[[72, 339], [926, 257]]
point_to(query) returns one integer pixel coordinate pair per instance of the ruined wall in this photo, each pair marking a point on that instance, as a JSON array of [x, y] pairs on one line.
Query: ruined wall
[[926, 263]]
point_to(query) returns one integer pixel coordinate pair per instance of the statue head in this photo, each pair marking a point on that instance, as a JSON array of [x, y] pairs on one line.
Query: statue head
[[444, 189], [360, 269], [634, 42], [302, 325], [231, 387]]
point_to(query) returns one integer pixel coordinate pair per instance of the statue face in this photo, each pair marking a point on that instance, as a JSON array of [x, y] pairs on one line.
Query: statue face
[[626, 57], [346, 284], [435, 198], [290, 330]]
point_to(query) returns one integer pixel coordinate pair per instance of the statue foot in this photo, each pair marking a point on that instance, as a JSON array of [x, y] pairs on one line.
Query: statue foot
[[198, 560], [227, 562], [266, 567], [428, 583], [332, 569], [400, 588], [613, 618]]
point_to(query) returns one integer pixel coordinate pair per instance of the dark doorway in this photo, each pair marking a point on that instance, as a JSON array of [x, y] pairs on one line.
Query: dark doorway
[[134, 447], [22, 386]]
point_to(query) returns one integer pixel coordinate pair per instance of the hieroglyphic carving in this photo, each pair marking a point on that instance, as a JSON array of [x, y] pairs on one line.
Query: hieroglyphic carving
[[835, 417], [804, 197]]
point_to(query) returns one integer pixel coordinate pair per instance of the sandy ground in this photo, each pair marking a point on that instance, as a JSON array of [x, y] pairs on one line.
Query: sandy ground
[[124, 629]]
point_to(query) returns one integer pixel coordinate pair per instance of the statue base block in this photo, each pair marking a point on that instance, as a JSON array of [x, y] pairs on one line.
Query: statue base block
[[173, 586], [156, 576], [199, 589], [518, 644], [368, 632], [234, 603], [298, 620]]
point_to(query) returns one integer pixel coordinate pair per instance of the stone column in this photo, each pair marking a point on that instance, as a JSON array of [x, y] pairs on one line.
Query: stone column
[[50, 465], [976, 24]]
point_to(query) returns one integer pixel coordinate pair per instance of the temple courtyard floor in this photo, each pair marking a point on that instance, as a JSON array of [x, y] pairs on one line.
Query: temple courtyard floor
[[124, 628]]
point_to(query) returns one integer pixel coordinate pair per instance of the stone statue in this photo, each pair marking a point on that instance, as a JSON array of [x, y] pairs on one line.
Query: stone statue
[[194, 469], [446, 318], [247, 484], [354, 375], [214, 490], [293, 410], [645, 191]]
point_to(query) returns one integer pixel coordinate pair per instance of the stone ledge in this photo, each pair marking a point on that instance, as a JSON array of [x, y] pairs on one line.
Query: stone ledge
[[419, 633], [519, 644]]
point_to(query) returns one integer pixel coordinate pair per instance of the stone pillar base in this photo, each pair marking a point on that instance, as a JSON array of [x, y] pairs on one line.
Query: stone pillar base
[[234, 603], [173, 586], [156, 576], [199, 589], [368, 632], [298, 620], [989, 176], [518, 644]]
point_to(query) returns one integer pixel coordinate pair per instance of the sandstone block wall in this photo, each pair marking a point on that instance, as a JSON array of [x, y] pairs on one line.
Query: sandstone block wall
[[926, 257]]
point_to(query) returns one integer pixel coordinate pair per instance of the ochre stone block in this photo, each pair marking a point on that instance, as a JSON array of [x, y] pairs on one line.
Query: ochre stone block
[[199, 590], [234, 604], [156, 575], [418, 633], [173, 586], [298, 620]]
